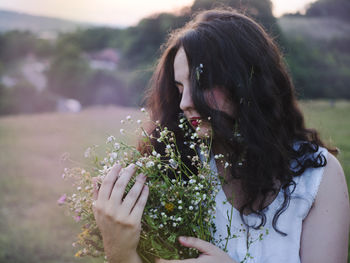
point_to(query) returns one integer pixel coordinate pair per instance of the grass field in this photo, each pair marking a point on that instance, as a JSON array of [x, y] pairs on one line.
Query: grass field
[[32, 227]]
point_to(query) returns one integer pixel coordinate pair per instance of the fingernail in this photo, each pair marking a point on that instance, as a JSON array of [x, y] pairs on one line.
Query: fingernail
[[141, 176]]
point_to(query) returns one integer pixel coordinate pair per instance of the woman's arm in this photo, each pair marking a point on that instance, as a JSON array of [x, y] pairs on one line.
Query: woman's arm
[[118, 219], [325, 232]]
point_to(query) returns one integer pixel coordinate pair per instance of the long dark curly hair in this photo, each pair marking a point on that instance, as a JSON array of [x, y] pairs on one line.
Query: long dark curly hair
[[239, 56]]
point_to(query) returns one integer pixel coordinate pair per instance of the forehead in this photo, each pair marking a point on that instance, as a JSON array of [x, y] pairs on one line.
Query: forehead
[[181, 71]]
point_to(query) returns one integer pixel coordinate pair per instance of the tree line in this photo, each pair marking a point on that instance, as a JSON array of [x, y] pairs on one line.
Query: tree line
[[319, 69]]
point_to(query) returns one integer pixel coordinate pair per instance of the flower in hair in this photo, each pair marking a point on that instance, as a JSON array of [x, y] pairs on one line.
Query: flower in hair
[[199, 71]]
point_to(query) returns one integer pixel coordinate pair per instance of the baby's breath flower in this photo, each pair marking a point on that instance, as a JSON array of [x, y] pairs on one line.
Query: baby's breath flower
[[122, 121], [226, 164], [139, 121], [179, 207], [149, 164], [110, 139], [173, 163], [138, 163], [128, 118], [154, 153], [143, 110], [190, 207], [122, 131]]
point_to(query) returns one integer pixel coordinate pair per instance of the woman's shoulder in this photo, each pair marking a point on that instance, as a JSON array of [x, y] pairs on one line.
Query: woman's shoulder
[[326, 226]]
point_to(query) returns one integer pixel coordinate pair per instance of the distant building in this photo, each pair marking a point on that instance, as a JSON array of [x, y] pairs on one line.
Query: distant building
[[105, 59]]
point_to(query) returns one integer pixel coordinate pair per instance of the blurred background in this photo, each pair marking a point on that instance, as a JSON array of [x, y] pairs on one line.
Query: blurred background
[[71, 70]]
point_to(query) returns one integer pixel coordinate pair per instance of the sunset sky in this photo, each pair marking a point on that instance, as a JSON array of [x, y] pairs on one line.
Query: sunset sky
[[118, 12]]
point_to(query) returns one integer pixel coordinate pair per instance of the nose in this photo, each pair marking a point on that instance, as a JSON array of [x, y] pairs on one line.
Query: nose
[[186, 103]]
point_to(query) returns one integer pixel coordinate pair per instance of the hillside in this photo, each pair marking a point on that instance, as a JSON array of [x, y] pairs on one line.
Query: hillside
[[10, 20]]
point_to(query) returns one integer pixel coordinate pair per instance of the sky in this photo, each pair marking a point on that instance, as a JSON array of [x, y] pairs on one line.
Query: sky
[[118, 12]]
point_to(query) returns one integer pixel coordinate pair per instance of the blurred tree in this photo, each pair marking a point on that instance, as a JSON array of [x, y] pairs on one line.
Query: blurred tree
[[318, 73], [330, 8], [15, 45], [69, 73]]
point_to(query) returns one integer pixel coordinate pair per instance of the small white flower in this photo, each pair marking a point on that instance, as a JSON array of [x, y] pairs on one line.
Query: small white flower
[[181, 126], [158, 155], [168, 146], [204, 196], [192, 181], [190, 207], [128, 118], [198, 129], [139, 121], [226, 164], [79, 188], [143, 110], [114, 155], [110, 138], [149, 164], [154, 153], [173, 163], [138, 163], [174, 224], [192, 146], [122, 121], [180, 202], [179, 219], [117, 146], [179, 207], [87, 152], [122, 131], [161, 226], [159, 166], [216, 156]]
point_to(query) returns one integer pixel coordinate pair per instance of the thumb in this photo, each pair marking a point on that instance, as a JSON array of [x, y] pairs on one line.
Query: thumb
[[203, 246], [95, 188]]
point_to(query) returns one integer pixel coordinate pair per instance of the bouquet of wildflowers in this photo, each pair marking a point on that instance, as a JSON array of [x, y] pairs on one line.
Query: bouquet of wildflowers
[[179, 205]]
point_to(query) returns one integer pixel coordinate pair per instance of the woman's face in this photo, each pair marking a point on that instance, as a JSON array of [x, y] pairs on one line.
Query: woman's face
[[215, 98]]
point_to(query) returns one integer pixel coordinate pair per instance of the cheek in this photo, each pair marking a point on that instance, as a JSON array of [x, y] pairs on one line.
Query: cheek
[[218, 100]]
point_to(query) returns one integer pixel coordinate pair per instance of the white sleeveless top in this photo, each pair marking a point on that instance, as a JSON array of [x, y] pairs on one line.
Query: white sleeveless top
[[273, 248]]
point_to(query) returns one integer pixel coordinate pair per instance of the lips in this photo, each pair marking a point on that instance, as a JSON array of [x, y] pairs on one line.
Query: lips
[[195, 121]]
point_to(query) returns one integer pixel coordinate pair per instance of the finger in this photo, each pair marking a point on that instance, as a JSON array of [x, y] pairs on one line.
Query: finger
[[203, 246], [140, 204], [119, 187], [134, 193], [108, 182]]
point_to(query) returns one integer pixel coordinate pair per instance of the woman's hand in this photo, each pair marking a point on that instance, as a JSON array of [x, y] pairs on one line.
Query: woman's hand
[[118, 219], [210, 253]]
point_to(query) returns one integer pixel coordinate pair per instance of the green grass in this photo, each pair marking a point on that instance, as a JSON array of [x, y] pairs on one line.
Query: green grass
[[33, 228]]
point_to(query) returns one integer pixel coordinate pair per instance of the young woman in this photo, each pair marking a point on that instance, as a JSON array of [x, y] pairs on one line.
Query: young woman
[[223, 69]]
